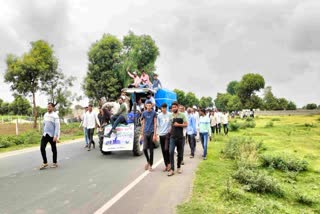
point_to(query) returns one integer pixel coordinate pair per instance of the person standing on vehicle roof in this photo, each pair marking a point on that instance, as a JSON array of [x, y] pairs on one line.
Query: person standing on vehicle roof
[[163, 126], [149, 127], [119, 117]]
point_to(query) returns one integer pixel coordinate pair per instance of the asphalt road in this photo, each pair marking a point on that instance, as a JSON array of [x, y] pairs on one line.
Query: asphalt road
[[85, 181]]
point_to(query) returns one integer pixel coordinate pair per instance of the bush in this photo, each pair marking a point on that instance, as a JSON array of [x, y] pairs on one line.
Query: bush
[[275, 119], [230, 194], [31, 137], [234, 126], [309, 125], [249, 119], [247, 124], [284, 163], [256, 181], [239, 147], [6, 142], [305, 199], [269, 124]]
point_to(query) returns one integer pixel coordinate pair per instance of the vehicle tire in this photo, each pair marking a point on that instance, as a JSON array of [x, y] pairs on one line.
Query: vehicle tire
[[100, 146], [136, 142]]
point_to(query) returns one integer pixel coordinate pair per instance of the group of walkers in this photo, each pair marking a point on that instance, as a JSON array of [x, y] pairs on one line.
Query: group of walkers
[[174, 129]]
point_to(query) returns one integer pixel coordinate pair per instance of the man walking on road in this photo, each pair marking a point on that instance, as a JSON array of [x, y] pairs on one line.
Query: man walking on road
[[149, 127], [178, 122], [205, 131], [90, 121], [51, 130], [163, 126], [191, 131], [85, 131]]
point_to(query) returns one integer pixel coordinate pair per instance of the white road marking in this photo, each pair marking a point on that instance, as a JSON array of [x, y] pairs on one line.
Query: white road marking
[[36, 148], [124, 191]]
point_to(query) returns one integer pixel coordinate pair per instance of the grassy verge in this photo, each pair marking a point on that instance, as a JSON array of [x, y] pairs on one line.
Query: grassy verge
[[281, 175], [31, 138]]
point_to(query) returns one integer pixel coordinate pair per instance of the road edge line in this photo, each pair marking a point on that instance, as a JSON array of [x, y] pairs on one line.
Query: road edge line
[[124, 191]]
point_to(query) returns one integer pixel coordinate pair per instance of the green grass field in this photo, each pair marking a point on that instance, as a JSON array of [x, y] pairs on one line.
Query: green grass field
[[217, 187], [31, 138]]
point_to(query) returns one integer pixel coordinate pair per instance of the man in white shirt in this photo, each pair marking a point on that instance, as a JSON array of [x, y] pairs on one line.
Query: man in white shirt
[[85, 131], [224, 121], [218, 120], [90, 120], [51, 133]]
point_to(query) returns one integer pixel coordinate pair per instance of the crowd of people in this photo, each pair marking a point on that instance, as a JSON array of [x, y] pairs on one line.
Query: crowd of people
[[173, 128]]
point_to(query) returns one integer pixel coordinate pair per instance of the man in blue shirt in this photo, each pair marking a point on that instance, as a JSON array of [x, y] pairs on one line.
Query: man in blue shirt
[[51, 131], [191, 131], [149, 127], [163, 127]]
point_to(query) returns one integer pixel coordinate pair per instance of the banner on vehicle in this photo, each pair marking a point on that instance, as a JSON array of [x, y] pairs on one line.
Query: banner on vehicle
[[122, 140]]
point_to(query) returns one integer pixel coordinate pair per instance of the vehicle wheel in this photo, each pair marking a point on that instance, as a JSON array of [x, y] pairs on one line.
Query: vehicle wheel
[[136, 142], [100, 146]]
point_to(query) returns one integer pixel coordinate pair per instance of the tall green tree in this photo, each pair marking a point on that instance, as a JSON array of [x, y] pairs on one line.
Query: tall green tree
[[222, 100], [181, 96], [232, 87], [20, 105], [140, 52], [30, 72], [270, 101], [59, 94], [249, 84], [103, 77], [191, 100], [291, 106], [205, 102]]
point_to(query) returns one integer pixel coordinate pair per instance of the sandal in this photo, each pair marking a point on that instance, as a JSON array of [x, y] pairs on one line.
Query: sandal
[[146, 167], [43, 166], [170, 173]]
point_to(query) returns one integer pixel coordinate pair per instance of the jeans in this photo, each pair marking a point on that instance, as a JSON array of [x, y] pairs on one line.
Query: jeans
[[44, 142], [204, 142], [115, 120], [225, 129], [164, 142], [175, 142], [86, 135], [148, 144], [192, 143], [90, 137]]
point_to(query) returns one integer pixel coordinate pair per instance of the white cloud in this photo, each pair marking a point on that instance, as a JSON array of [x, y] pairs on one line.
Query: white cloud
[[203, 44]]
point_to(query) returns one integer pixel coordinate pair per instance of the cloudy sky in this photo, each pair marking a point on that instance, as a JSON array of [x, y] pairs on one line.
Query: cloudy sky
[[203, 44]]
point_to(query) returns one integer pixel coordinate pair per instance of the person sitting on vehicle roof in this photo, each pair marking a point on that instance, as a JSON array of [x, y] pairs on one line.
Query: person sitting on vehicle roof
[[156, 84], [119, 117], [135, 78], [145, 81]]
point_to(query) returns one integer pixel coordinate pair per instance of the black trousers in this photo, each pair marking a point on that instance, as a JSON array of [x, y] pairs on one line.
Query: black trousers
[[148, 144], [225, 129], [164, 142], [218, 128], [44, 142], [213, 129], [90, 137], [175, 142], [192, 143]]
